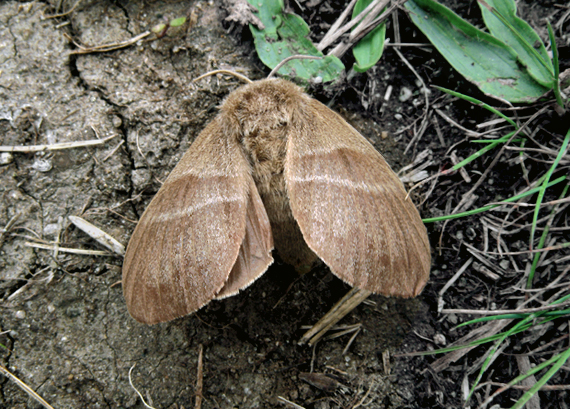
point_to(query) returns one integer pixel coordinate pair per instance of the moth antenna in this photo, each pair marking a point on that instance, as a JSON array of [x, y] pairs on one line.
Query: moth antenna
[[292, 57], [235, 74]]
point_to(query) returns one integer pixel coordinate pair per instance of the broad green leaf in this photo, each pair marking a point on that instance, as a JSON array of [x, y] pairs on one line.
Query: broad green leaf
[[504, 24], [367, 52], [479, 57], [285, 35]]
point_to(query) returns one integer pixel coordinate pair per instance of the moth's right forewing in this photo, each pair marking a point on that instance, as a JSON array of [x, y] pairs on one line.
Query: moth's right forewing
[[187, 241], [352, 208], [255, 252]]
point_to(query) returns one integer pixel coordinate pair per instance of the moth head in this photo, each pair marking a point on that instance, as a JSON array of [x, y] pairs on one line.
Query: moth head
[[263, 107]]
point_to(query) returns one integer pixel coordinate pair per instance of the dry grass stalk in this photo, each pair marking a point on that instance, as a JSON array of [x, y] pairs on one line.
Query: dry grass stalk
[[288, 403], [103, 48], [67, 250], [200, 378], [346, 304], [56, 146], [98, 235], [25, 387]]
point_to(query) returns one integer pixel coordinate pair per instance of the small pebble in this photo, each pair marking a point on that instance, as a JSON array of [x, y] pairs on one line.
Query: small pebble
[[452, 318], [6, 158], [42, 165], [52, 228], [405, 94], [504, 264], [117, 121], [439, 339]]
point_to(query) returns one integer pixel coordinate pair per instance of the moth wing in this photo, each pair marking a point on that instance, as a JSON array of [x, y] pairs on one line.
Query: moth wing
[[188, 240], [254, 253], [351, 207]]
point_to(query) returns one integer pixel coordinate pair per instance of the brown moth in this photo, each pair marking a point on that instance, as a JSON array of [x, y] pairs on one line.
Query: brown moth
[[275, 166]]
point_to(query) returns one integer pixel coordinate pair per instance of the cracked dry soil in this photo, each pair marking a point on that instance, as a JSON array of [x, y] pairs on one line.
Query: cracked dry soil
[[64, 326]]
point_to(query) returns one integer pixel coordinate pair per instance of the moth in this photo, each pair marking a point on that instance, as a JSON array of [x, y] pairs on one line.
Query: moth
[[275, 168]]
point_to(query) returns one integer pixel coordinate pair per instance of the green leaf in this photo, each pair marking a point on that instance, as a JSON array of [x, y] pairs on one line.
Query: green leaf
[[367, 52], [159, 28], [177, 22], [479, 57], [285, 35], [503, 23]]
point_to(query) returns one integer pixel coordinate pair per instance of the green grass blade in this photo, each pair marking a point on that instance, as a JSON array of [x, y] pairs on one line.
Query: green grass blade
[[492, 144], [542, 381], [541, 242], [545, 185], [475, 101], [488, 207], [522, 377], [494, 350]]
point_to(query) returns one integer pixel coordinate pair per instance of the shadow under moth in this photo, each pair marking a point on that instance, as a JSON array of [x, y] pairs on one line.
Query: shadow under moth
[[274, 168]]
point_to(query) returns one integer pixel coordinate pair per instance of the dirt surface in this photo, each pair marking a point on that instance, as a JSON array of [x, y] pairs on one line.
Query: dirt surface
[[64, 327]]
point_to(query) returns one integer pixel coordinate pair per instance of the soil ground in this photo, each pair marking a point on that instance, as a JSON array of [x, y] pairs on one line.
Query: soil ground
[[64, 326]]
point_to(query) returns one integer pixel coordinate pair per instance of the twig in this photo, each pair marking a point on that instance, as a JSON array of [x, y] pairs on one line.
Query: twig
[[450, 121], [524, 366], [397, 44], [346, 304], [200, 378], [366, 20], [103, 48], [227, 72], [65, 13], [56, 146], [25, 387], [500, 312], [331, 36], [68, 250], [361, 402], [462, 170], [522, 204], [288, 403], [8, 227], [113, 151], [98, 235], [525, 387], [450, 283], [351, 340], [516, 253], [423, 125]]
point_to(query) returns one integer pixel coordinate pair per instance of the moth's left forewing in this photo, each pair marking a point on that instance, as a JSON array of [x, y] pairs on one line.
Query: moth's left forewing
[[351, 207]]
